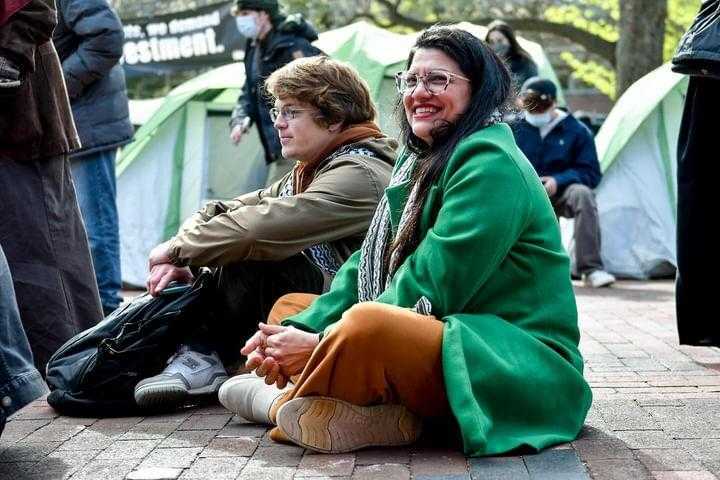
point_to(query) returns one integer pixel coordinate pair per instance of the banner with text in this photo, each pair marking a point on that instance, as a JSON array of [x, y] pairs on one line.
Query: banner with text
[[203, 37]]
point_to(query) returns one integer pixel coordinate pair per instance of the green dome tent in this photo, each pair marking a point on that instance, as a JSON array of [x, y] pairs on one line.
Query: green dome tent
[[637, 147], [181, 156]]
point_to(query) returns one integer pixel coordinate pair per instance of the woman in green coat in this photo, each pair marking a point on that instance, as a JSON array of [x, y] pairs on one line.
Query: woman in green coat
[[459, 303]]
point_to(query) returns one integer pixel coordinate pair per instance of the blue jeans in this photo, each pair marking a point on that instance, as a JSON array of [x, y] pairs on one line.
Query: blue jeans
[[20, 382], [94, 178]]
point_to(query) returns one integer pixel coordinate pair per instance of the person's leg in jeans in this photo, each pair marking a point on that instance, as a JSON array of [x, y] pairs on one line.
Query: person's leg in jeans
[[20, 382], [94, 177]]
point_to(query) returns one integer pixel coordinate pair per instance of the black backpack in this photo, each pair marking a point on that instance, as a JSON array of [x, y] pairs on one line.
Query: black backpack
[[94, 373]]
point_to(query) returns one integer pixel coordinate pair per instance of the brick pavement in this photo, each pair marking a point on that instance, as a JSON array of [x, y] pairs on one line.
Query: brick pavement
[[656, 415]]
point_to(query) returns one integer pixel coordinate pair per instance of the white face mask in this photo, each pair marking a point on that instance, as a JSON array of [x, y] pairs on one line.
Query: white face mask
[[247, 26], [538, 120]]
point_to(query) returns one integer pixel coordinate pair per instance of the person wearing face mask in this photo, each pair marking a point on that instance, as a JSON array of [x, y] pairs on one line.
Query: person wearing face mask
[[501, 38], [273, 41], [562, 150]]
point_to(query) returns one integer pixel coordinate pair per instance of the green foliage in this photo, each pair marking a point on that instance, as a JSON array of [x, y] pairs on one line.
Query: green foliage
[[601, 17]]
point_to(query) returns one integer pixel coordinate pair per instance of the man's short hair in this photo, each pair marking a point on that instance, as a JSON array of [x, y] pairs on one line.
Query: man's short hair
[[538, 94], [333, 87]]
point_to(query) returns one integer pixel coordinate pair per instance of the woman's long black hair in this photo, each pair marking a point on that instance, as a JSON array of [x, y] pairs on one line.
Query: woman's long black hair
[[491, 91]]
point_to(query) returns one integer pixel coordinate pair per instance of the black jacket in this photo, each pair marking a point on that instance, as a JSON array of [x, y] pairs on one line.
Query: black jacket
[[521, 69], [288, 40], [567, 153], [699, 49], [89, 40]]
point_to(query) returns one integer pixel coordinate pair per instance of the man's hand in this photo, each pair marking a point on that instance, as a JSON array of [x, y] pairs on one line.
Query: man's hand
[[236, 134], [159, 255], [238, 131], [164, 273], [550, 185]]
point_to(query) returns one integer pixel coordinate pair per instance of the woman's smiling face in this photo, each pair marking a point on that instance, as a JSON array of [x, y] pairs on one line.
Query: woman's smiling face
[[425, 111]]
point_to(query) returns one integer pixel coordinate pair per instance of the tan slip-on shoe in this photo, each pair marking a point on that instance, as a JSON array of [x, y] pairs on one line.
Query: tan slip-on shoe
[[330, 425]]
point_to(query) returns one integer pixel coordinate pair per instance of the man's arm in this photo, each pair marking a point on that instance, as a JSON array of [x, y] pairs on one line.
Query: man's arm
[[338, 204], [101, 42]]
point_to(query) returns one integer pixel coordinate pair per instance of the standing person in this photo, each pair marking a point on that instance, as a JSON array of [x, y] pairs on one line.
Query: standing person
[[459, 303], [41, 229], [273, 41], [562, 150], [20, 381], [698, 56], [89, 39], [501, 38]]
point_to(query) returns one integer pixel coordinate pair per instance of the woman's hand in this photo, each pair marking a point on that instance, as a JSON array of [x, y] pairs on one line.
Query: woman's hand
[[276, 352], [291, 348]]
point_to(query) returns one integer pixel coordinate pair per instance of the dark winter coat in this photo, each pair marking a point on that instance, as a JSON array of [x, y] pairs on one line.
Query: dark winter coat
[[289, 40], [567, 153], [89, 39], [699, 49], [36, 121]]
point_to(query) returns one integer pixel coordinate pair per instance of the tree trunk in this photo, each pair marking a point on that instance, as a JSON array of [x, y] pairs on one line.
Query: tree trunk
[[639, 49]]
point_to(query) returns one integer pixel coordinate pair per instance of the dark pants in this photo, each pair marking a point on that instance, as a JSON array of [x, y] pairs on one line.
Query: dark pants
[[698, 172], [247, 292], [44, 240], [20, 382], [578, 201]]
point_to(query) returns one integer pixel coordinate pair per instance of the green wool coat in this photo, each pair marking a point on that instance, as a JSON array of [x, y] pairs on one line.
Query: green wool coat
[[492, 265]]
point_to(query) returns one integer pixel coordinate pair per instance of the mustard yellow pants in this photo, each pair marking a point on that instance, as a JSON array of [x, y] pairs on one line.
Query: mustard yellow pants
[[376, 354]]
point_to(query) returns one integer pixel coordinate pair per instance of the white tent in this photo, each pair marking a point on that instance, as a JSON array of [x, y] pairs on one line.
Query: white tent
[[637, 146]]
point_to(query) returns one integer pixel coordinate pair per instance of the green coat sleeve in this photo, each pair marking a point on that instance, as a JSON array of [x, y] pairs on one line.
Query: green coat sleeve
[[481, 216], [328, 308]]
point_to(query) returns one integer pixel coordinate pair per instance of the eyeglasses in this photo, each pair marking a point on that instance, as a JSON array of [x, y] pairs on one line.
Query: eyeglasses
[[435, 81], [287, 113]]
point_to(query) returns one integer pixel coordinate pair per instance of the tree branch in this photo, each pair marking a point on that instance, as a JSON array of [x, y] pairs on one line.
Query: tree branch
[[591, 43]]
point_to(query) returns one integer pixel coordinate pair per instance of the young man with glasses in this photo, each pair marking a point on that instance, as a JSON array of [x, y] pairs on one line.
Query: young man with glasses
[[292, 236]]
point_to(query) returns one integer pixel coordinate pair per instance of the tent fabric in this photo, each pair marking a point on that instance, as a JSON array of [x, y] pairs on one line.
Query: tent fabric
[[167, 172], [636, 199]]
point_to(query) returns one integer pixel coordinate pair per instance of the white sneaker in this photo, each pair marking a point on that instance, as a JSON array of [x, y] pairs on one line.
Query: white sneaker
[[598, 278], [188, 373], [250, 397]]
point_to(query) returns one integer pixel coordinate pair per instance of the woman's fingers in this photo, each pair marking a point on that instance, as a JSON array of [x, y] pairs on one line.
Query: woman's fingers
[[265, 367], [257, 340], [281, 381], [270, 329], [255, 359], [272, 374]]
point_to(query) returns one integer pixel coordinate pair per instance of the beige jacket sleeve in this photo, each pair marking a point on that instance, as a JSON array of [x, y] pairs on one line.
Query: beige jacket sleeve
[[339, 203]]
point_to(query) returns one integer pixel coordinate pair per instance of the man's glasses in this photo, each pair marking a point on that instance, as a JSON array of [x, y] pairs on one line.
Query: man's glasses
[[287, 113], [435, 81]]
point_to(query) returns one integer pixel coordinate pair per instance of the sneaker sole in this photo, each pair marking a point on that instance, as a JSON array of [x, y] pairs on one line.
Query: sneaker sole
[[330, 425], [171, 392]]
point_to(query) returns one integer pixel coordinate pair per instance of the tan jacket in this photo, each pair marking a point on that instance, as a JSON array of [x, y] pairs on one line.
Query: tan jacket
[[336, 208]]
